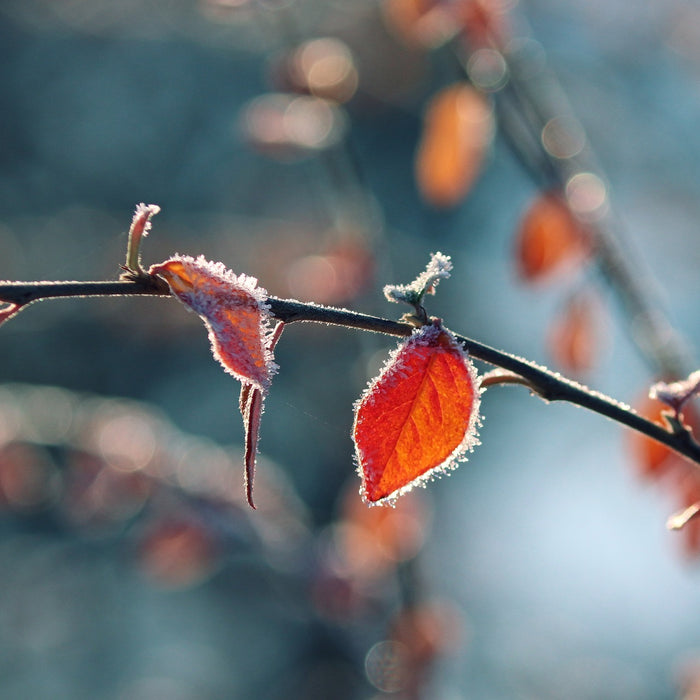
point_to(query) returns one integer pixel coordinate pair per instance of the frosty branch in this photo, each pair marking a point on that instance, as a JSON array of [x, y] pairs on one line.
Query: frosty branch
[[547, 384]]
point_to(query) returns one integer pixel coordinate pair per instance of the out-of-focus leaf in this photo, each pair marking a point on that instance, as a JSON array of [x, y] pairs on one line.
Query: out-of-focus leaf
[[651, 458], [484, 22], [177, 553], [457, 131], [550, 239], [419, 23], [573, 337]]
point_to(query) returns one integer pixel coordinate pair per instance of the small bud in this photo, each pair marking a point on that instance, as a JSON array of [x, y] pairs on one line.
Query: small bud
[[438, 268], [676, 394], [140, 226]]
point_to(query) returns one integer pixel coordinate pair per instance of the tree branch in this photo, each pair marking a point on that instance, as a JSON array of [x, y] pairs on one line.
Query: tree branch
[[549, 385]]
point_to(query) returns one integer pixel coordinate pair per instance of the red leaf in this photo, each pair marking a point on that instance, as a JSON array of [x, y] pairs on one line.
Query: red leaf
[[457, 131], [550, 239], [418, 418]]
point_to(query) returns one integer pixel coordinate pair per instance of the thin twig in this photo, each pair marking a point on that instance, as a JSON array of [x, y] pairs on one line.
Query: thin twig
[[549, 385]]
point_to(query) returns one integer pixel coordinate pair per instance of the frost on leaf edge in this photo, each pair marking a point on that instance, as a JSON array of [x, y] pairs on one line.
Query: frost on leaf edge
[[244, 283], [423, 336]]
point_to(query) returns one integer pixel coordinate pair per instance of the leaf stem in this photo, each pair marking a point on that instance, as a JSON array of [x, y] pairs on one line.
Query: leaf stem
[[549, 385]]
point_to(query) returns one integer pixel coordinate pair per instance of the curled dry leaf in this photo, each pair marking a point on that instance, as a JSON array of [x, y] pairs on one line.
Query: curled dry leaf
[[235, 312], [418, 418], [550, 239], [457, 132]]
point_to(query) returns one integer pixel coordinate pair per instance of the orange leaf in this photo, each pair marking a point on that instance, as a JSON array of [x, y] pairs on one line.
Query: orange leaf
[[457, 131], [234, 311], [418, 418], [572, 336], [550, 238]]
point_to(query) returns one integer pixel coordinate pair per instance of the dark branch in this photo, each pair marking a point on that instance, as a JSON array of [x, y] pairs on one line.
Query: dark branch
[[545, 383]]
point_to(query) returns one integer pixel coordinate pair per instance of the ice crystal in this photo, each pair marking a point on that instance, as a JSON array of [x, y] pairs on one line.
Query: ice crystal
[[676, 394], [438, 268], [141, 223]]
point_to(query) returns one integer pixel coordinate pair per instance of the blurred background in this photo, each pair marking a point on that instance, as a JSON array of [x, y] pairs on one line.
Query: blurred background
[[303, 142]]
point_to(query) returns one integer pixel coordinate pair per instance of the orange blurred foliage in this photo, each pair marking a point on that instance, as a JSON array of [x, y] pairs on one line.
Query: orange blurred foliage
[[457, 131], [656, 461], [427, 630], [652, 458], [573, 338], [337, 275], [423, 632], [177, 553], [26, 476], [550, 239], [484, 22], [396, 534], [419, 23]]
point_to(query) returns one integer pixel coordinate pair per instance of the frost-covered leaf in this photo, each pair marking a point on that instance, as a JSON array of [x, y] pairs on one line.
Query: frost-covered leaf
[[418, 418], [438, 268], [235, 312], [457, 132]]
